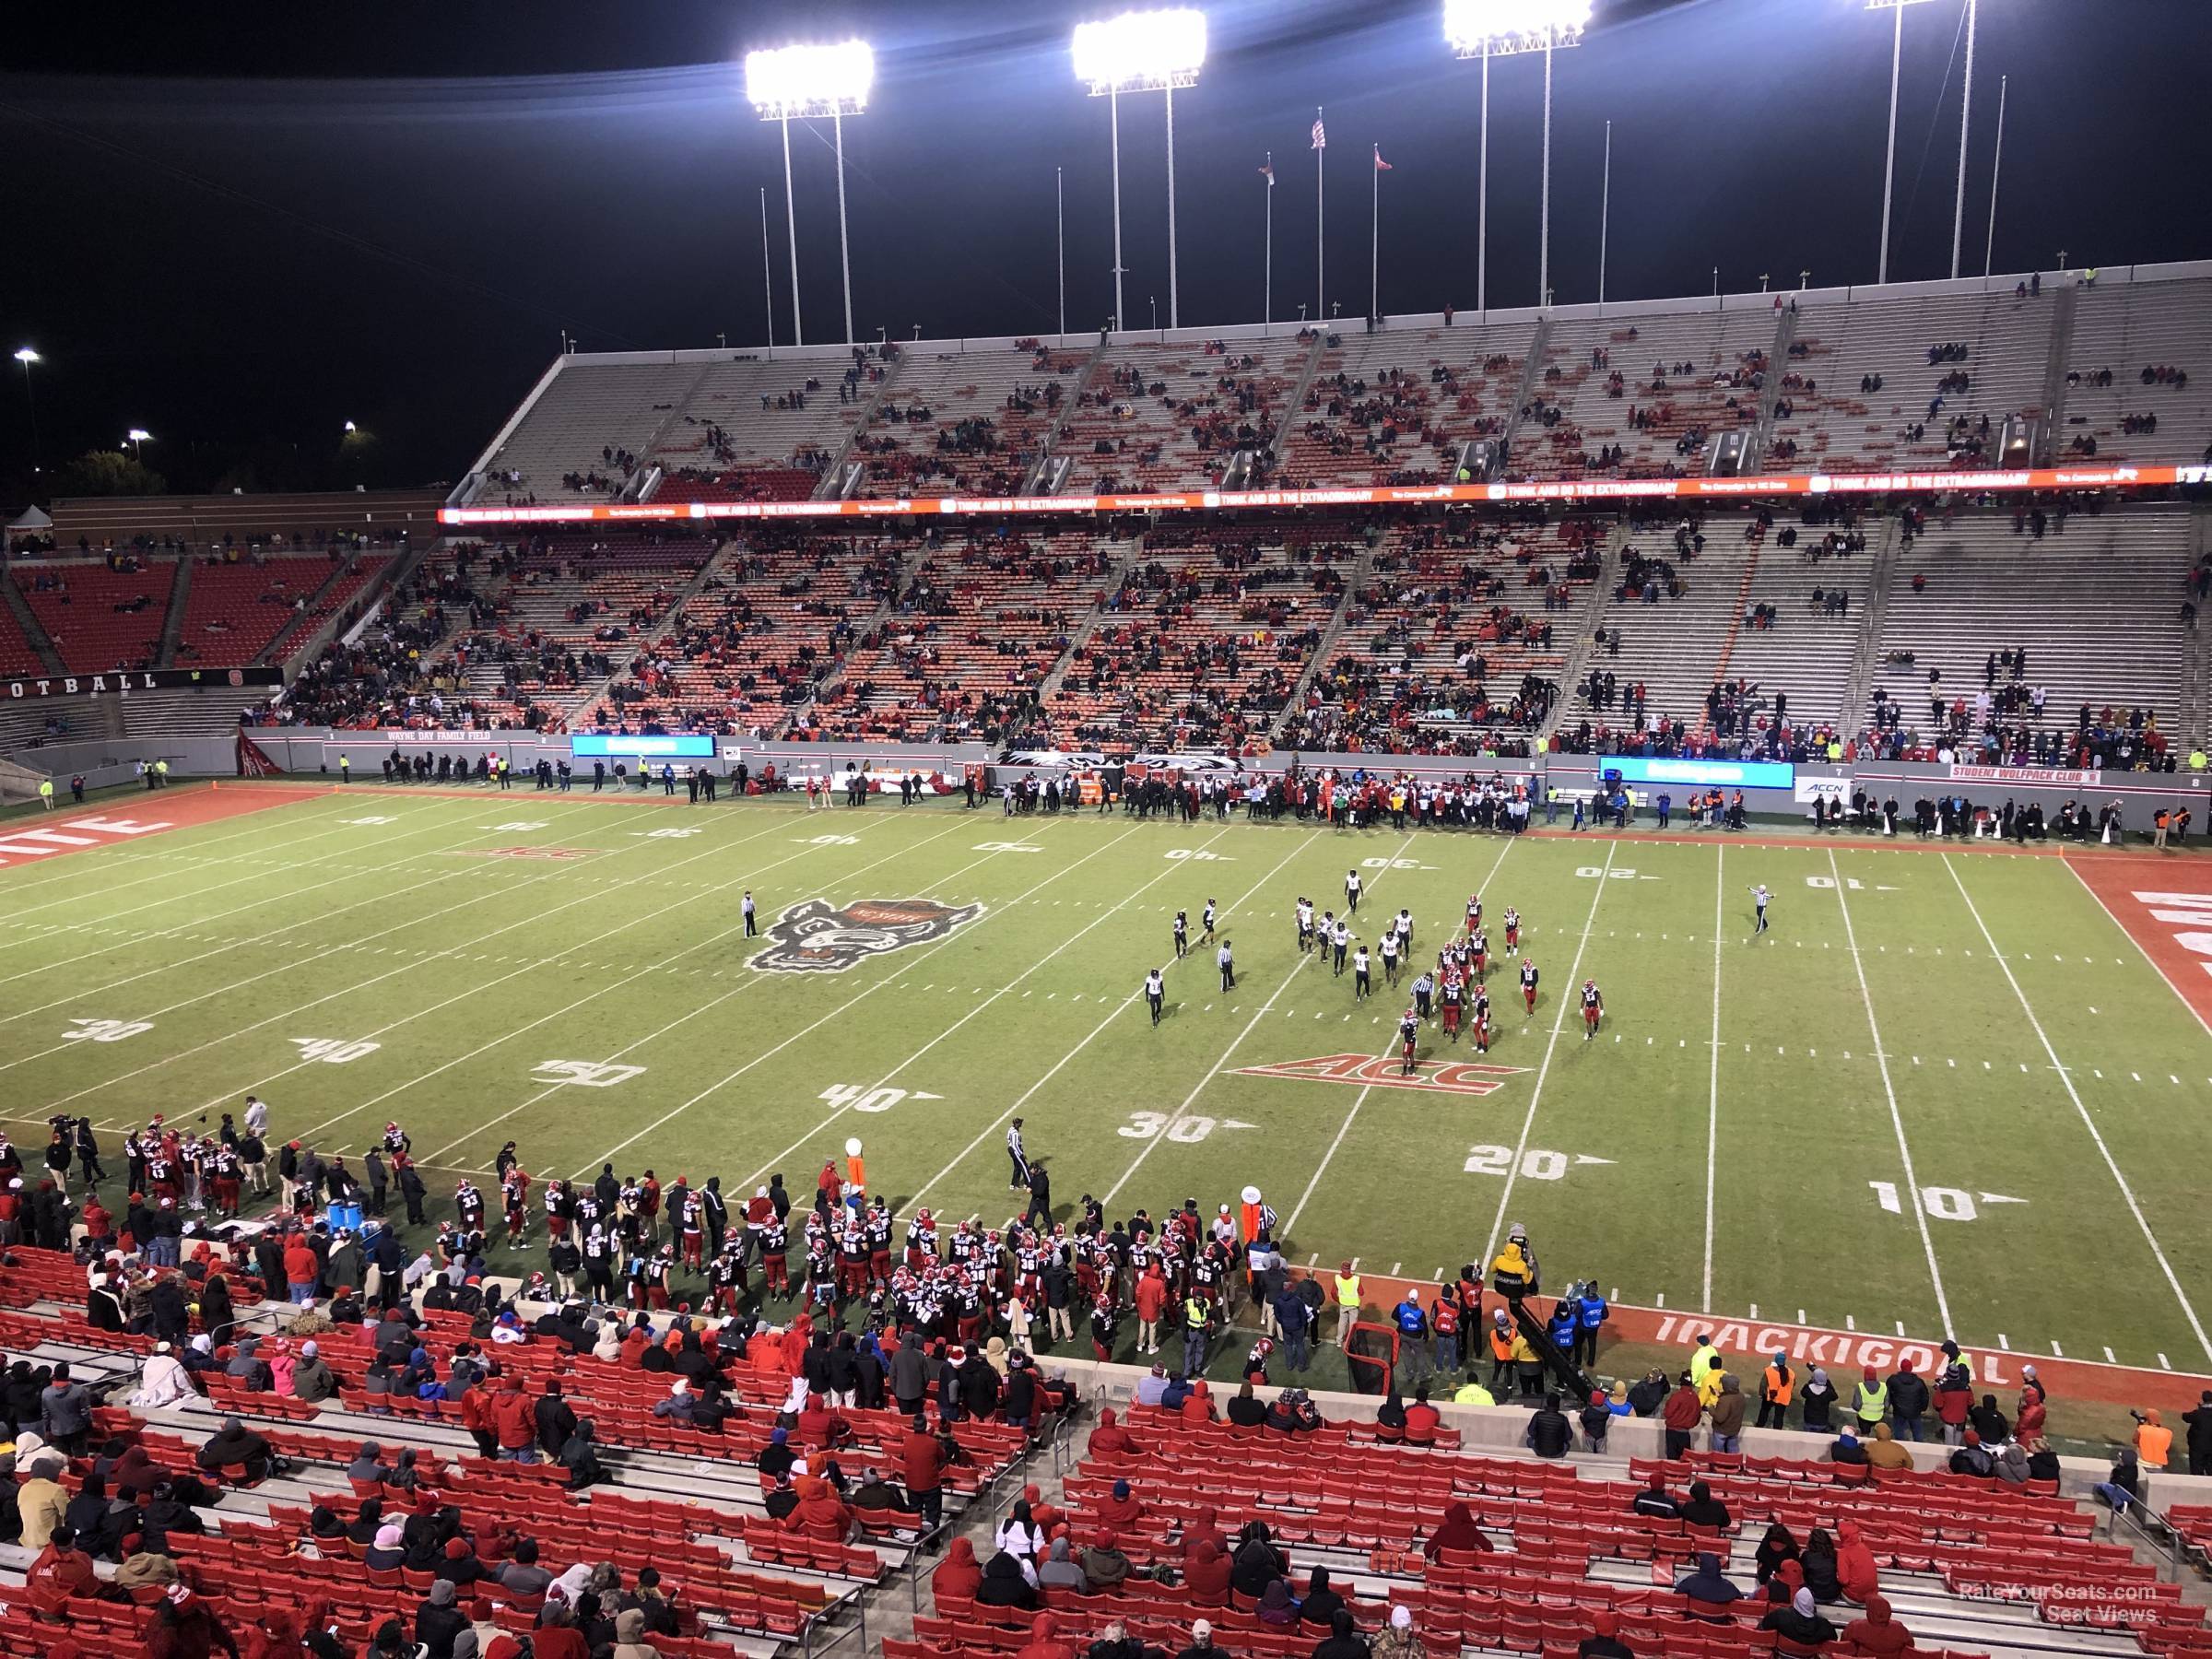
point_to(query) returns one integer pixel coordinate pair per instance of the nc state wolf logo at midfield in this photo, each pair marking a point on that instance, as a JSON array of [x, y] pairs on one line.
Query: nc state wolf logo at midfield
[[816, 937]]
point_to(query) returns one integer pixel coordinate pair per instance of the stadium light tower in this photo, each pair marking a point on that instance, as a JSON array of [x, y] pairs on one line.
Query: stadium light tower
[[1897, 52], [1138, 51], [808, 82], [26, 357], [137, 438], [1488, 28]]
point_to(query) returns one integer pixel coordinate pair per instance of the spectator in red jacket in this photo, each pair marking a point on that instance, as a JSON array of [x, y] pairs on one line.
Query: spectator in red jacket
[[1198, 1405], [1854, 1564], [1111, 1440], [1459, 1531], [1205, 1572], [959, 1573], [1878, 1634], [300, 1269], [1044, 1640], [514, 1421], [1681, 1413], [62, 1569], [184, 1628], [820, 1513], [1421, 1419], [1121, 1509]]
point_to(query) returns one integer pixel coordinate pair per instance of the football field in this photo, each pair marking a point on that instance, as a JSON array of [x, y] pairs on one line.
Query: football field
[[1944, 1092]]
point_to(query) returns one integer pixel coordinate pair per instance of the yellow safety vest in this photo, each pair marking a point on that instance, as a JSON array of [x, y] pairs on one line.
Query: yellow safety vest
[[1347, 1290]]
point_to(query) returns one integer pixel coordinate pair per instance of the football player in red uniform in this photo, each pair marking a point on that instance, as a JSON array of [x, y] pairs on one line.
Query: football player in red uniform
[[1528, 983], [1593, 1008]]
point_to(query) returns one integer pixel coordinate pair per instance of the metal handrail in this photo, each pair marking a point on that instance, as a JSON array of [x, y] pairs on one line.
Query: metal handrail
[[806, 1633]]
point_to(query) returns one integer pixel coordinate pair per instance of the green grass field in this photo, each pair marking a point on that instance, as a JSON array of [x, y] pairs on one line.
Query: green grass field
[[1746, 1134]]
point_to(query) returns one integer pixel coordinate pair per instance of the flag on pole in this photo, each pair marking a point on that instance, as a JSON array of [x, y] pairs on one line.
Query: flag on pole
[[1321, 136], [1267, 171], [1380, 165]]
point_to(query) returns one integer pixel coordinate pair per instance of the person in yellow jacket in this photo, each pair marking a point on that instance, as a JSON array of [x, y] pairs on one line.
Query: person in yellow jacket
[[1527, 1367], [1513, 1272], [1347, 1305], [1706, 1358], [1708, 1384], [1870, 1399], [1472, 1393]]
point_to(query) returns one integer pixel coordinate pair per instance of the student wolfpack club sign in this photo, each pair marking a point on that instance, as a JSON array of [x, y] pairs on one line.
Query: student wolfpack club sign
[[821, 937]]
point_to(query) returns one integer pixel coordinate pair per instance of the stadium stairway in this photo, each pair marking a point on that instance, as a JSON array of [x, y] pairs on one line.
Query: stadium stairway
[[587, 697], [1531, 369], [1048, 446], [172, 619], [1362, 573], [1125, 554], [34, 631]]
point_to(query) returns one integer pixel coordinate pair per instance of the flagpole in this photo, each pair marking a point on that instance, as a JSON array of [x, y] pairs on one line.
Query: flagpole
[[1605, 213], [791, 223], [1321, 286], [1174, 313], [1060, 243], [1482, 195], [768, 273], [1113, 115], [1989, 249], [1374, 237], [1267, 281]]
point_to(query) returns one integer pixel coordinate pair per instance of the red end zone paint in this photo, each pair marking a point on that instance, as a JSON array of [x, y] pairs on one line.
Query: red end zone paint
[[48, 836], [2165, 906]]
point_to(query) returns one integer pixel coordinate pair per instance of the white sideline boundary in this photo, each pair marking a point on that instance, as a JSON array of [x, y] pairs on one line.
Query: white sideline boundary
[[1897, 1118], [1712, 1104], [1551, 1047], [2088, 1122]]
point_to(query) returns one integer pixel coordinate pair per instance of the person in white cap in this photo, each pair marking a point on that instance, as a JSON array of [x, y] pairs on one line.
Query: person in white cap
[[164, 1381]]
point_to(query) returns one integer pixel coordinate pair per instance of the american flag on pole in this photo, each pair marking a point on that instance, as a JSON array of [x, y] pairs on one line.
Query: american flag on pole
[[1268, 170], [1380, 165], [1321, 136]]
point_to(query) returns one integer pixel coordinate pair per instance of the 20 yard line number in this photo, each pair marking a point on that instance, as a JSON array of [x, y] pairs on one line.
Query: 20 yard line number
[[1537, 1163]]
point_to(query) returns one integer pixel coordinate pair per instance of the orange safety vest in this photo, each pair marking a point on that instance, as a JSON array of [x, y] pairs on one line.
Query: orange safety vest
[[1781, 1386], [1501, 1344]]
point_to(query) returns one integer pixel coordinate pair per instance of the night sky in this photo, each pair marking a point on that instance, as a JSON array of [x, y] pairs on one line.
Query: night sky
[[241, 226]]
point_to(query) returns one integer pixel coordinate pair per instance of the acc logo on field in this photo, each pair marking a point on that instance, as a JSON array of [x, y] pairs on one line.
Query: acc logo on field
[[590, 1073], [1450, 1076], [816, 937]]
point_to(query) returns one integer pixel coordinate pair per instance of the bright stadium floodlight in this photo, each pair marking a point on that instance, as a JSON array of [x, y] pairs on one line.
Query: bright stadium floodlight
[[26, 357], [807, 82], [1897, 52], [1489, 28], [1141, 52]]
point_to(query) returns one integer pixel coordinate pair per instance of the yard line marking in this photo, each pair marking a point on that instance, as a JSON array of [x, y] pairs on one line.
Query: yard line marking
[[1559, 1024], [1230, 1052], [839, 1112], [2004, 1343], [1897, 1118], [2056, 1352], [738, 990], [454, 953], [2163, 1364], [1713, 1099], [2109, 1358], [999, 1121], [2088, 1122], [227, 945]]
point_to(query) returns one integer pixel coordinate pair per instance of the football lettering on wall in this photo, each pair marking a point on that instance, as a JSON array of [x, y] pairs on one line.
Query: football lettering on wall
[[819, 937]]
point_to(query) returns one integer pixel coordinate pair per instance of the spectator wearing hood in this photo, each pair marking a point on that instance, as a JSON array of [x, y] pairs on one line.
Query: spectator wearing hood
[[183, 1627], [1709, 1591], [1058, 1571], [1320, 1605], [2028, 1415], [388, 1553], [1257, 1563], [1799, 1621], [2120, 1488], [1457, 1531], [438, 1620], [958, 1575], [1604, 1641], [164, 1381], [1877, 1634], [368, 1463], [234, 1445], [312, 1379], [40, 1502], [1111, 1440], [1343, 1641], [1206, 1575], [1854, 1564], [1818, 1400], [580, 1457], [1886, 1452], [1009, 1581], [1104, 1565], [1045, 1640], [1989, 1423], [1727, 1415], [1704, 1508], [630, 1636], [2154, 1440], [1398, 1639]]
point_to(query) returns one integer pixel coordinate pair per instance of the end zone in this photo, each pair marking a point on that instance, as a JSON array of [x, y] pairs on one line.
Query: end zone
[[51, 835]]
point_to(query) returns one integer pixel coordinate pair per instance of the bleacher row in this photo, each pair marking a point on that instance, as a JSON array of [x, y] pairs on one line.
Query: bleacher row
[[1857, 390], [1971, 1567], [682, 1502]]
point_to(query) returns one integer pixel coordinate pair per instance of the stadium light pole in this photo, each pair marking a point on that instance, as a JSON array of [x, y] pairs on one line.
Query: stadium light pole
[[1897, 53], [26, 357], [1488, 28], [810, 82], [139, 437], [1141, 52], [1966, 110], [1996, 166]]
